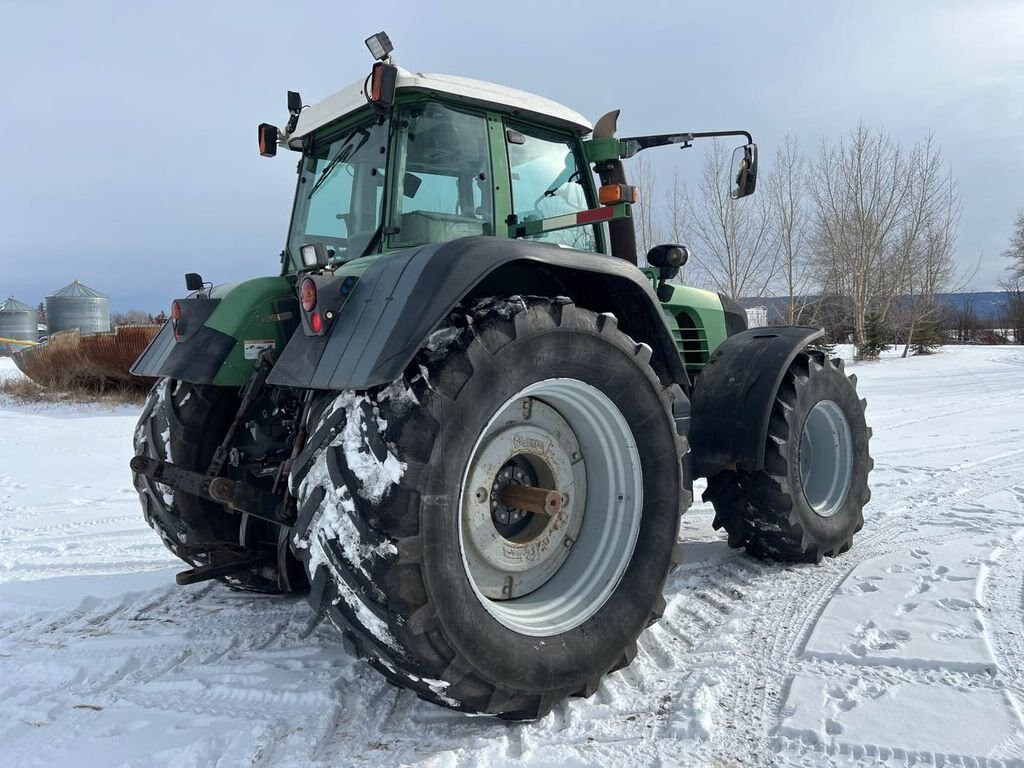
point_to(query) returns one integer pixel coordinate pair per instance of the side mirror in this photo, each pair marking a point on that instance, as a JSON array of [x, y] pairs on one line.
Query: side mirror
[[268, 140], [744, 171]]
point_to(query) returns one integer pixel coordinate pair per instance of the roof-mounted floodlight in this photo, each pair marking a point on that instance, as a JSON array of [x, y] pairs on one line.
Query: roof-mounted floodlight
[[294, 108], [380, 46]]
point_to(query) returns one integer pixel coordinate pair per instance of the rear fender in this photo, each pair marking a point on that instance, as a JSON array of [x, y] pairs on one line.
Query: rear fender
[[401, 298], [220, 337], [733, 398]]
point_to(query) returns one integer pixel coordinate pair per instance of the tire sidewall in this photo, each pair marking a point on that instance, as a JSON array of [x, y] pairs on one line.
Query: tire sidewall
[[828, 383]]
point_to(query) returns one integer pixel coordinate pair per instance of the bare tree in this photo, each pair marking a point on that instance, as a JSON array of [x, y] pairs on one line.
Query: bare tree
[[644, 179], [675, 216], [733, 242], [1012, 319], [787, 188], [928, 238], [1016, 250], [675, 210], [967, 322], [859, 190], [131, 317]]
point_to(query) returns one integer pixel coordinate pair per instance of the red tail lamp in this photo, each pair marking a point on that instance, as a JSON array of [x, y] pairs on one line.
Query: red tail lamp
[[307, 295], [175, 316]]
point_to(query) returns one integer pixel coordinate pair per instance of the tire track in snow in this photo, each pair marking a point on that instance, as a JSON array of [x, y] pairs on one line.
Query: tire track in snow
[[753, 700], [734, 627], [163, 656], [977, 479], [1003, 602]]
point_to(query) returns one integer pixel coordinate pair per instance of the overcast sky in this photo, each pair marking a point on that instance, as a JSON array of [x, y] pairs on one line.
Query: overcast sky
[[130, 127]]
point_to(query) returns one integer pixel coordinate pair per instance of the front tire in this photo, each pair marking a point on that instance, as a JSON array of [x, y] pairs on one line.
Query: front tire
[[467, 601], [808, 501]]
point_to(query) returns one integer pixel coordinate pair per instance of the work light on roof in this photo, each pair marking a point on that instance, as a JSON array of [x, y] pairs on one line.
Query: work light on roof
[[380, 46]]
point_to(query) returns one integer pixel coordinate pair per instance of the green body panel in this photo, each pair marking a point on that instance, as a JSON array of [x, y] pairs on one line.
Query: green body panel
[[601, 150], [502, 189], [245, 313], [698, 324]]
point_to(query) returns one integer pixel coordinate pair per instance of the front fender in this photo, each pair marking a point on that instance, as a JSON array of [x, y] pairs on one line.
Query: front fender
[[401, 298], [733, 398]]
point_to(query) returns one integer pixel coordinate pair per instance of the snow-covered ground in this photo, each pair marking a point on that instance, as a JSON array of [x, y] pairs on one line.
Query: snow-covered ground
[[909, 649]]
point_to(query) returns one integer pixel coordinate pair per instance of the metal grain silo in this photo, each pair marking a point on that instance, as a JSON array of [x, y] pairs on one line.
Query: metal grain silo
[[77, 306], [18, 321]]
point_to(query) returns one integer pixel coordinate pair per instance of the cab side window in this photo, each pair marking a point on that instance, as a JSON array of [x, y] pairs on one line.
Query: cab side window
[[547, 181], [444, 186]]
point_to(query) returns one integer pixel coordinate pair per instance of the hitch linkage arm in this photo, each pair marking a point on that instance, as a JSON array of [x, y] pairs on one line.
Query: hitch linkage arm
[[235, 496]]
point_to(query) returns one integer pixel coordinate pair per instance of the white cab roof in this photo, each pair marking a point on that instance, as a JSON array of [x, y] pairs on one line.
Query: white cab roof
[[475, 92]]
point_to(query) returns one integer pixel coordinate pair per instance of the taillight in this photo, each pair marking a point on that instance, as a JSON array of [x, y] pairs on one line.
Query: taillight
[[175, 316], [307, 295], [316, 322]]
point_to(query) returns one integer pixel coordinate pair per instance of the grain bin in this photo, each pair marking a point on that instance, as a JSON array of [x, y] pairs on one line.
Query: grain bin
[[77, 306], [18, 321]]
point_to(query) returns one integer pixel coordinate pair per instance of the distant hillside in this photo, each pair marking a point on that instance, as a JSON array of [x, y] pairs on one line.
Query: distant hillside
[[986, 304]]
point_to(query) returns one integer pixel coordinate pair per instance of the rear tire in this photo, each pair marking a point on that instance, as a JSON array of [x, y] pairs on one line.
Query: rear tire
[[388, 501], [184, 423], [808, 500]]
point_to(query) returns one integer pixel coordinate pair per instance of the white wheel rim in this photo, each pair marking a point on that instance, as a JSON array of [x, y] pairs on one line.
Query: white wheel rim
[[560, 570], [826, 458]]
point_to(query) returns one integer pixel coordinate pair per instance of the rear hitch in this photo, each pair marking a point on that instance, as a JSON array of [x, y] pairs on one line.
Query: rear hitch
[[217, 570], [237, 497]]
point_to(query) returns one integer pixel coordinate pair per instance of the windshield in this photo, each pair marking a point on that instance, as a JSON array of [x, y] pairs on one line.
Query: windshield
[[341, 185]]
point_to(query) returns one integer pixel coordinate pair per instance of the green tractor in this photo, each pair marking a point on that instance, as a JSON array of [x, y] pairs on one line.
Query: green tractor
[[463, 417]]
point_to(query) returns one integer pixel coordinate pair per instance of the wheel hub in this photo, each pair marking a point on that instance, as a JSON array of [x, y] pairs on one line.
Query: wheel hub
[[507, 519], [513, 551]]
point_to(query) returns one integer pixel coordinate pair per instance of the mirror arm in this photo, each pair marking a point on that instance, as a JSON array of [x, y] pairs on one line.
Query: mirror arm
[[635, 144]]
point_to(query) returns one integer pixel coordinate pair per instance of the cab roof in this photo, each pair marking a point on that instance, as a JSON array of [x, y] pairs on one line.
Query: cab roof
[[474, 92]]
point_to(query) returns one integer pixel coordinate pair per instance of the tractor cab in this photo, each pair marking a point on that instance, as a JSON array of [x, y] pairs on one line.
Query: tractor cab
[[432, 158], [404, 159]]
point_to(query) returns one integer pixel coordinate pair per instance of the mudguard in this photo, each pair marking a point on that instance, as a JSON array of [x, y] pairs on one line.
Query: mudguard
[[733, 398], [400, 299], [219, 338]]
